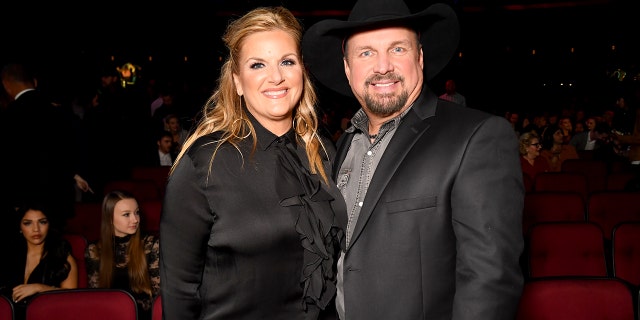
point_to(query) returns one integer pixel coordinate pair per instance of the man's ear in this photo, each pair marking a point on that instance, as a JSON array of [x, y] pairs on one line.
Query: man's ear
[[347, 70]]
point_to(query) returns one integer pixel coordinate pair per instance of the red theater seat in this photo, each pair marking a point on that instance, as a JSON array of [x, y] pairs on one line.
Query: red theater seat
[[566, 249], [576, 299], [80, 304]]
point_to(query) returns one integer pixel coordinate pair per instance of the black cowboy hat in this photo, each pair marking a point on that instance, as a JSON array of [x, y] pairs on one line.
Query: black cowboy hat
[[322, 42]]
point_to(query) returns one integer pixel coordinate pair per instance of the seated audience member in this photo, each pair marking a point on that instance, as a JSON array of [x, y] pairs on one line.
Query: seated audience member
[[514, 120], [538, 124], [178, 133], [123, 257], [451, 94], [579, 128], [591, 139], [40, 259], [554, 149], [590, 122], [162, 154], [566, 128], [530, 159]]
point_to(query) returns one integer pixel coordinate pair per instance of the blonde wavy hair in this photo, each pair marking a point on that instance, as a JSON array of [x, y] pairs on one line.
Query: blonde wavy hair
[[223, 111]]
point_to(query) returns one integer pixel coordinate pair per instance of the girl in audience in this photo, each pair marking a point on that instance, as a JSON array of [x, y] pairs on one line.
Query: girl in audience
[[42, 259], [123, 257]]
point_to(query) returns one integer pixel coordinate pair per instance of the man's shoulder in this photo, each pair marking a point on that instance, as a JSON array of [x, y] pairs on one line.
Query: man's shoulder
[[458, 110]]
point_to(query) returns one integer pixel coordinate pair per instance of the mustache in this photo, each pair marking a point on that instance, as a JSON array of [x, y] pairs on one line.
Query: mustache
[[384, 77]]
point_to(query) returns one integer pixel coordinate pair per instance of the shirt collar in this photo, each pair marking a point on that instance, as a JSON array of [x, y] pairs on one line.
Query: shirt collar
[[360, 121], [266, 138]]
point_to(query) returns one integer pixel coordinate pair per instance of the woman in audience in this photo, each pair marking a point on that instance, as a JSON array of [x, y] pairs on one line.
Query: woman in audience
[[530, 159], [566, 128], [555, 150], [42, 259], [178, 133], [124, 258]]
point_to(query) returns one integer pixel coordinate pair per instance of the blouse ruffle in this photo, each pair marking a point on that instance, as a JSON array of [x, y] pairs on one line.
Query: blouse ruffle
[[319, 236]]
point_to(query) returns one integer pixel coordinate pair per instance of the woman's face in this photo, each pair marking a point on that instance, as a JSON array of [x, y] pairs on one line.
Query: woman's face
[[34, 227], [533, 150], [126, 217], [173, 124], [557, 137], [270, 78]]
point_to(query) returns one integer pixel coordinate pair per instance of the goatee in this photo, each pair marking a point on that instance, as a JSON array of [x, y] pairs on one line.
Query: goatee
[[384, 105]]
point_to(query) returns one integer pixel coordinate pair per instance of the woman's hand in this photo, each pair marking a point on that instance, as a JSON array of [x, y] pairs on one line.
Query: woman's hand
[[26, 290]]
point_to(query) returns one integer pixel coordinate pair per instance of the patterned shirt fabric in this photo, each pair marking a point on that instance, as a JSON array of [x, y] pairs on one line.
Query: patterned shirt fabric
[[355, 175], [120, 275]]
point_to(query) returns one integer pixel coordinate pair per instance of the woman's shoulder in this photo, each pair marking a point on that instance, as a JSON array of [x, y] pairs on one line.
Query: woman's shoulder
[[149, 238], [205, 145]]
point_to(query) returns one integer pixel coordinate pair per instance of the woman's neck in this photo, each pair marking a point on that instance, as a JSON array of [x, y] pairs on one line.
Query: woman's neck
[[35, 249]]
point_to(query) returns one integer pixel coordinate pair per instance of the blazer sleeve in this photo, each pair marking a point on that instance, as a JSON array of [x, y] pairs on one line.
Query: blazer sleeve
[[185, 225], [487, 203]]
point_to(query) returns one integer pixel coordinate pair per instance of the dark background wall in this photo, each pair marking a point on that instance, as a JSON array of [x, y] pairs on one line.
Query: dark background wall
[[497, 69]]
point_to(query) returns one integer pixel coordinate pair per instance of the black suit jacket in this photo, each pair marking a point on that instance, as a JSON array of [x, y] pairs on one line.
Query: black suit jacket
[[40, 164], [439, 235]]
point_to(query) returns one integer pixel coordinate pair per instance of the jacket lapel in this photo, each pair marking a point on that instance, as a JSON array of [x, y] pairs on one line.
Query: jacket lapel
[[413, 126]]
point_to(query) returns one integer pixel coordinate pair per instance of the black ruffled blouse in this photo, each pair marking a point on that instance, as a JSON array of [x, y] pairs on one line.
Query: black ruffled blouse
[[254, 238]]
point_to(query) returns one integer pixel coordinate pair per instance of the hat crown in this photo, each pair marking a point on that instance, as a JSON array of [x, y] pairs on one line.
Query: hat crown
[[373, 10], [323, 42]]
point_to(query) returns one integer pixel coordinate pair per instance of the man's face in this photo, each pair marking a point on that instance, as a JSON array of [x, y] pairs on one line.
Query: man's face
[[164, 144], [514, 118], [566, 124], [591, 124], [384, 68]]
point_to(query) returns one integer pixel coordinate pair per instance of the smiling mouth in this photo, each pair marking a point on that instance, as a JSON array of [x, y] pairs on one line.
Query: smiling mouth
[[276, 93], [383, 84]]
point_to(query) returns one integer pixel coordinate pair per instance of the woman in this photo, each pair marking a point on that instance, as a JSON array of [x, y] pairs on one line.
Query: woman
[[248, 225], [178, 134], [530, 159], [130, 261], [42, 259], [566, 129], [555, 150]]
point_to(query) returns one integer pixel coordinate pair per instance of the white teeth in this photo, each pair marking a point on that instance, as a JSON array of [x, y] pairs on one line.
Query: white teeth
[[384, 84], [275, 93]]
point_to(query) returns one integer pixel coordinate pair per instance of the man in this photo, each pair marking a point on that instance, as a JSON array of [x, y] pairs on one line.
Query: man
[[40, 138], [591, 139], [451, 94], [163, 155], [434, 190]]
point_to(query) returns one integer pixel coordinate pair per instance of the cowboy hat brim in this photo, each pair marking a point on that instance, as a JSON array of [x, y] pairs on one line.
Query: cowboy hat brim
[[322, 43]]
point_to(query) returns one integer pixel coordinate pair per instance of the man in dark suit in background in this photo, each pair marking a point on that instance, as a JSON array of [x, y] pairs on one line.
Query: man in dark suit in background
[[161, 154], [434, 190], [39, 141]]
